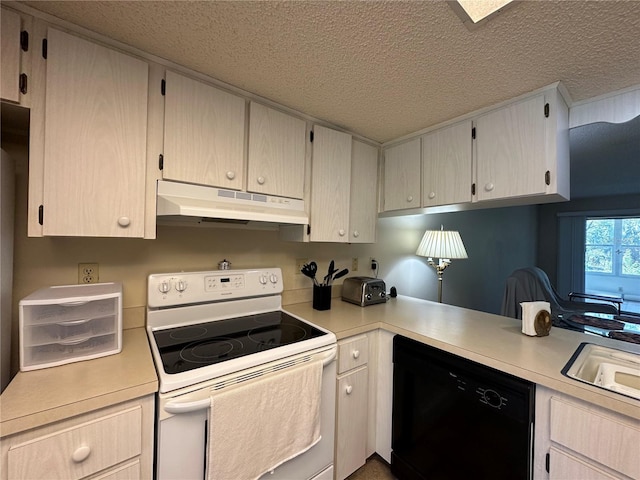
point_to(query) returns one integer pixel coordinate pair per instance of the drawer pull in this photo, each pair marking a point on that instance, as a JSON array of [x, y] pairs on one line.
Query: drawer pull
[[81, 454], [356, 354], [349, 389]]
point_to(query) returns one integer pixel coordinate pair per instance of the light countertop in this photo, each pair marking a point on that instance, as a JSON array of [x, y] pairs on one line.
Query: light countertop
[[492, 340], [39, 397]]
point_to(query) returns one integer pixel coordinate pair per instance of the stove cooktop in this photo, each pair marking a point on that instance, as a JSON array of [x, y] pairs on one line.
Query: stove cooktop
[[194, 346]]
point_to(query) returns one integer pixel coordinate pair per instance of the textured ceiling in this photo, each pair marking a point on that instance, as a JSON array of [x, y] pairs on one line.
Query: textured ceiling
[[382, 69]]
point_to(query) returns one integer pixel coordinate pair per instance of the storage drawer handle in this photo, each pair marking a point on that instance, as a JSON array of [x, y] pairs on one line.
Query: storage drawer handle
[[81, 454], [75, 304], [75, 341], [72, 323], [356, 354]]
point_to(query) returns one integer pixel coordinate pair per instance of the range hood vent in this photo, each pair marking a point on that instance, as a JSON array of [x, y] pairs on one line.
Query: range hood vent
[[217, 204]]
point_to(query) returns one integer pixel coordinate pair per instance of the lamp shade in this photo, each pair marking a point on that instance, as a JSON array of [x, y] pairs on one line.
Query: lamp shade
[[441, 244]]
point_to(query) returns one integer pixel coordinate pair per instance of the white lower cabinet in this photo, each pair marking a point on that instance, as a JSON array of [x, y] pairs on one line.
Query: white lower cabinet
[[115, 443], [576, 440], [352, 396]]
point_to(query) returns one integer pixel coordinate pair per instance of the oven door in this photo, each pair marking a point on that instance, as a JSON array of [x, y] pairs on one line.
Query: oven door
[[182, 429]]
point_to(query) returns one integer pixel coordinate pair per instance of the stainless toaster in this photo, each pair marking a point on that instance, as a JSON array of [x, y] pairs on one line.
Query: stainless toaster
[[364, 291]]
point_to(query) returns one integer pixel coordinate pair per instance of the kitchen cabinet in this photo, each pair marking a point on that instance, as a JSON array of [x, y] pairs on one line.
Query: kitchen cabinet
[[447, 165], [583, 440], [11, 56], [112, 443], [204, 134], [351, 406], [363, 204], [402, 176], [522, 149], [88, 141], [277, 145], [330, 185]]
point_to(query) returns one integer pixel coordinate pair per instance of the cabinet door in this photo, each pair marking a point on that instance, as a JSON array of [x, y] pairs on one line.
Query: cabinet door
[[511, 151], [95, 140], [277, 144], [10, 51], [446, 165], [330, 182], [203, 134], [351, 418], [402, 176], [363, 215]]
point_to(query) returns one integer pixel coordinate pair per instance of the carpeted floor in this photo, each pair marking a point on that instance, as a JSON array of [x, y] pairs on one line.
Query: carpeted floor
[[375, 469]]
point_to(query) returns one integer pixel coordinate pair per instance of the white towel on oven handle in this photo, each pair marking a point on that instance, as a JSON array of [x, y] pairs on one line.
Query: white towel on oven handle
[[257, 426]]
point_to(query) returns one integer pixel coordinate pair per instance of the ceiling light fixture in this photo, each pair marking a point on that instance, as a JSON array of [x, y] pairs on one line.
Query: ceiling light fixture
[[474, 13]]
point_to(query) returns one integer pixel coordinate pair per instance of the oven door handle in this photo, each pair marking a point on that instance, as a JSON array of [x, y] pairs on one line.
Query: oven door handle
[[330, 358], [177, 407]]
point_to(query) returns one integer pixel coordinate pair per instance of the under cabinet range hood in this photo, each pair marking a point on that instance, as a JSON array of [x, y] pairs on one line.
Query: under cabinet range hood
[[210, 204]]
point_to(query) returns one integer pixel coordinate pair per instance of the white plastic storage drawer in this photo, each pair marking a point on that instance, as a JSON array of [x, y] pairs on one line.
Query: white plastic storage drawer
[[70, 323]]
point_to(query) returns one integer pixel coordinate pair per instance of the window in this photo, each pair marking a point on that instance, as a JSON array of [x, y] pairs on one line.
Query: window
[[612, 246]]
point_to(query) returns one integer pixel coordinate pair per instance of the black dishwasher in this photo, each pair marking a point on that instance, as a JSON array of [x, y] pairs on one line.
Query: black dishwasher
[[456, 419]]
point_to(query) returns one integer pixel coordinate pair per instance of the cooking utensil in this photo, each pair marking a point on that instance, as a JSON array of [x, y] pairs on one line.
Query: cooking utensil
[[310, 270], [340, 274], [330, 272]]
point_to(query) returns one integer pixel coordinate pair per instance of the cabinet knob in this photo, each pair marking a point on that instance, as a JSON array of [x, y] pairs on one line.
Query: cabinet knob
[[341, 232], [410, 198], [349, 389], [261, 180], [124, 221], [81, 454], [356, 353], [356, 233], [432, 195], [489, 186], [231, 175]]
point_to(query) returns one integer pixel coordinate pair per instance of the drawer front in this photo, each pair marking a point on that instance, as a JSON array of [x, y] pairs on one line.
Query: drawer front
[[563, 466], [80, 451], [130, 471], [601, 438], [352, 353]]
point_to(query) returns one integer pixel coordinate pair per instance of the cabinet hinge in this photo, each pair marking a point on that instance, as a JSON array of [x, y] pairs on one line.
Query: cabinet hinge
[[22, 83], [547, 177], [473, 189], [44, 48], [308, 229], [161, 162], [311, 136], [41, 214], [546, 110], [473, 133], [547, 460], [24, 40], [163, 87]]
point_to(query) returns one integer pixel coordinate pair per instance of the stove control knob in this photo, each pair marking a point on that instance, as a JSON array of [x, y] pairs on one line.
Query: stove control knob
[[273, 278], [263, 279], [181, 286], [164, 286], [368, 296]]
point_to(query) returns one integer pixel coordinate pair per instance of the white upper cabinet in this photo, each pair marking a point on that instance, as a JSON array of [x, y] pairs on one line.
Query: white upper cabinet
[[364, 193], [95, 131], [330, 185], [402, 176], [10, 51], [204, 134], [447, 165], [277, 144], [522, 149]]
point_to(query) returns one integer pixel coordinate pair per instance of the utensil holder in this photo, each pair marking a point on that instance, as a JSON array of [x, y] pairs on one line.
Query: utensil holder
[[322, 297]]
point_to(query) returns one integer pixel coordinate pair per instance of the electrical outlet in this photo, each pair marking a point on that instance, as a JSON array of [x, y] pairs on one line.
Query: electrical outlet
[[373, 263], [300, 262], [88, 273], [354, 264]]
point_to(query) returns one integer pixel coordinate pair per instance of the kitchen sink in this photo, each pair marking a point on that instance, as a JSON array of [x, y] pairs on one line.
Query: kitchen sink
[[609, 368]]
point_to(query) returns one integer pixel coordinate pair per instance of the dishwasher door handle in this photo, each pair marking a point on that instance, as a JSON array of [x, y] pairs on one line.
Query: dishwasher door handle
[[186, 407]]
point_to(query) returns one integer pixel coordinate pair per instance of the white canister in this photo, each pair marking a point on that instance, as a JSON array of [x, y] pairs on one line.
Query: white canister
[[536, 318]]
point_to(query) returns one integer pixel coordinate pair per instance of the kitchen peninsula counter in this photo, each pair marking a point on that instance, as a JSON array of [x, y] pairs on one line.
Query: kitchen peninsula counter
[[492, 340], [40, 397]]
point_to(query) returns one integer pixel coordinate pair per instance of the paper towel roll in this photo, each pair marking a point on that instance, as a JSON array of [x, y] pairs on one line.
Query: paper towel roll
[[533, 316]]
